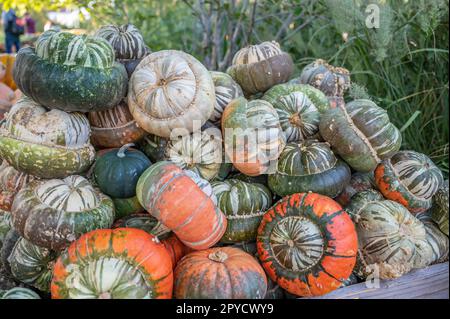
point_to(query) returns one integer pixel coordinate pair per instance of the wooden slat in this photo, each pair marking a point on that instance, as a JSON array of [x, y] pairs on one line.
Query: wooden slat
[[429, 283]]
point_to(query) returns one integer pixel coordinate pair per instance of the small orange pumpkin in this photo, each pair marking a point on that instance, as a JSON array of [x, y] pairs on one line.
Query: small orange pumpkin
[[122, 263], [307, 244], [219, 273]]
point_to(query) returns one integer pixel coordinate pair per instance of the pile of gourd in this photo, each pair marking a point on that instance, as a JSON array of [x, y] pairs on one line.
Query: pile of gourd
[[117, 182]]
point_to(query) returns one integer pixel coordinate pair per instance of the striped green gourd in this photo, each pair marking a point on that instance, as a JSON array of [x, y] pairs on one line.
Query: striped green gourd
[[440, 207], [20, 293], [436, 239], [299, 115], [70, 72], [253, 136], [391, 240], [5, 225], [333, 81], [226, 90], [361, 133], [53, 213], [27, 262], [244, 205], [126, 40], [46, 144], [309, 166], [409, 178]]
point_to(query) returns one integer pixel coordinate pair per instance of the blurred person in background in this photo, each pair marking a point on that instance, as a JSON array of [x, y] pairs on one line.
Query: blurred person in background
[[14, 28], [30, 24]]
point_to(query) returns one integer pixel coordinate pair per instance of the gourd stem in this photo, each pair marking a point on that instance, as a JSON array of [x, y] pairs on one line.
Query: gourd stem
[[123, 149], [218, 256]]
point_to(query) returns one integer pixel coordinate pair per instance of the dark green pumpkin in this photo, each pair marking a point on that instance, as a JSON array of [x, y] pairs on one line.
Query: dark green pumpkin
[[28, 263], [127, 206], [361, 133], [118, 170], [244, 205], [71, 73], [309, 166]]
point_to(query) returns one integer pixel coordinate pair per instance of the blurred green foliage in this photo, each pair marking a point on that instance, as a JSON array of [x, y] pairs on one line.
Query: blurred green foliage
[[402, 65]]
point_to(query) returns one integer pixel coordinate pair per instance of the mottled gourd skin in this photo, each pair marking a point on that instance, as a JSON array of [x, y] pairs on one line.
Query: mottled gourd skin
[[11, 181], [29, 263], [307, 244], [391, 240], [114, 127], [409, 178], [127, 206], [20, 293], [184, 202], [438, 241], [331, 80], [219, 273], [199, 152], [309, 166], [53, 213], [5, 225], [358, 182], [170, 92], [440, 207], [71, 73], [244, 205], [46, 144], [259, 67], [253, 136], [122, 263], [299, 116], [118, 170], [226, 90], [360, 133]]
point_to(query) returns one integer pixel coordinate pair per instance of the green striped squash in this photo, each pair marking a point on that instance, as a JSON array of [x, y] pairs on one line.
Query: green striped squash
[[253, 136], [409, 178], [53, 213], [391, 240], [126, 41], [11, 181], [46, 144], [298, 114], [436, 239], [358, 182], [170, 92], [309, 166], [71, 72], [317, 97], [259, 67], [29, 263], [199, 152], [333, 81], [244, 205], [360, 133], [440, 208], [5, 225], [226, 90], [20, 293]]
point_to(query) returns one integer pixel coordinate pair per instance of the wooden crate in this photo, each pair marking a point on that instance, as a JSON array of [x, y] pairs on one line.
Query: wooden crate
[[429, 283]]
